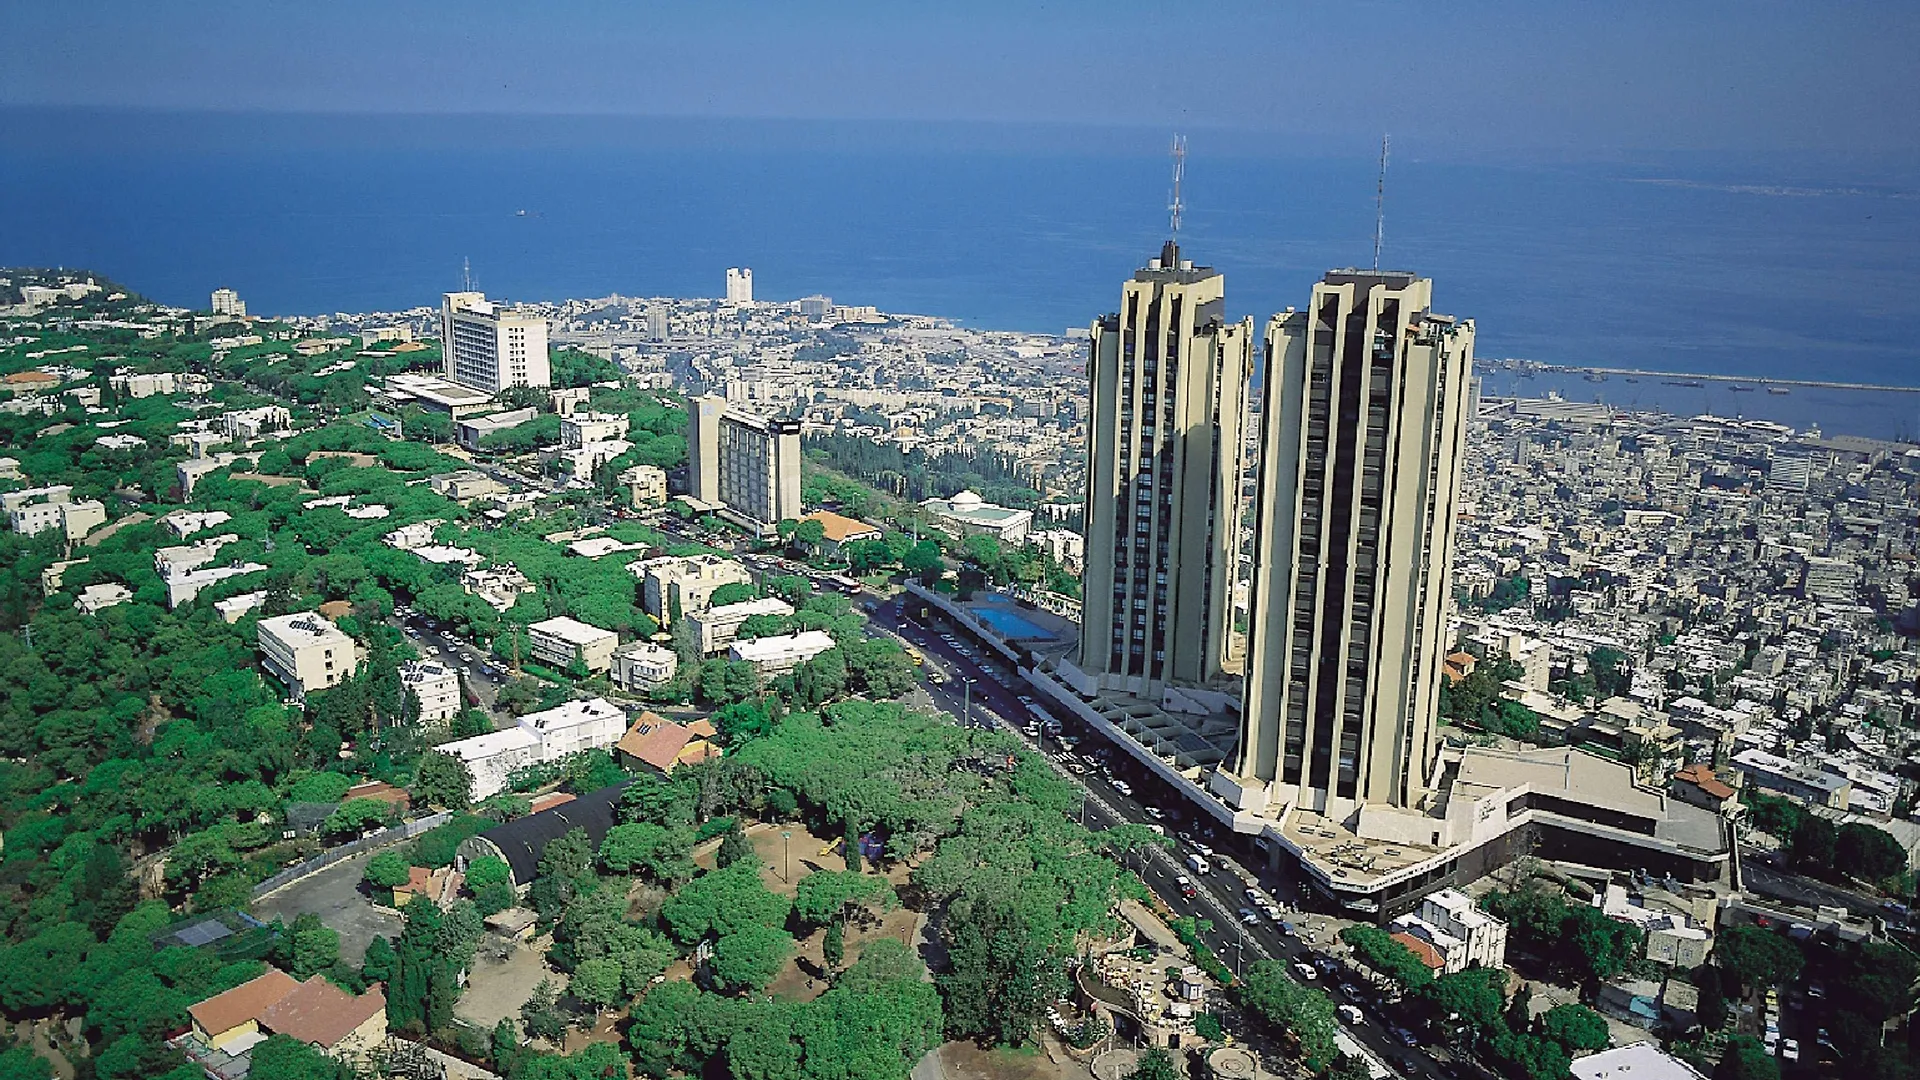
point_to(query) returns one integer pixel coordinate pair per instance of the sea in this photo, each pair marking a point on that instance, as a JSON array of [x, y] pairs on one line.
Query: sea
[[1755, 267]]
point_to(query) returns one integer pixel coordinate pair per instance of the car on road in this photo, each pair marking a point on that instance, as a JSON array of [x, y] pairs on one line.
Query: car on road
[[1123, 788], [1155, 812], [1352, 1014], [1185, 885], [1790, 1049], [1249, 916], [1306, 972]]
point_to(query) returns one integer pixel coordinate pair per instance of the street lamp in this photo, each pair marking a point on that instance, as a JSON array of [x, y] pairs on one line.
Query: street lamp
[[968, 698], [786, 855], [1239, 950]]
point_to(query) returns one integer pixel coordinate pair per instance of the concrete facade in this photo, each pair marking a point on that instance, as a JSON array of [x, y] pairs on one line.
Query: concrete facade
[[1168, 387], [748, 464], [489, 347], [1358, 493], [306, 652], [557, 641]]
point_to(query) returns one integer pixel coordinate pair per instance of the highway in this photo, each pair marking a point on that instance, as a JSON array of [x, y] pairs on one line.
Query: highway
[[978, 682]]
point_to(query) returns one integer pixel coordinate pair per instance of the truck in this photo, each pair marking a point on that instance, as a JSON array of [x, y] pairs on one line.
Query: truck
[[1198, 864]]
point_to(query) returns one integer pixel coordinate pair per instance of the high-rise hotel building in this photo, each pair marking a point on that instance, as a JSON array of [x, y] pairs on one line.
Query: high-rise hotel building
[[748, 464], [1169, 378], [1365, 417], [489, 346]]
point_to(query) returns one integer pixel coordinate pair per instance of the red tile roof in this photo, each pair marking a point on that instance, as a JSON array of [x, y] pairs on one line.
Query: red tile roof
[[839, 528], [1428, 955], [226, 1011], [321, 1013], [655, 740], [1700, 776]]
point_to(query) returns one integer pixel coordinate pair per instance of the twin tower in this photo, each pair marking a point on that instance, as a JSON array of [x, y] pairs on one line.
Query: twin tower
[[1362, 422]]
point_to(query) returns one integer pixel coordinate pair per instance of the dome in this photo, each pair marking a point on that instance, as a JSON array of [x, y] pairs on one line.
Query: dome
[[966, 500]]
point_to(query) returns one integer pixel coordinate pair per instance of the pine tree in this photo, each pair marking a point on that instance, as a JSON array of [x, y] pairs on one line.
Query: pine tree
[[834, 947]]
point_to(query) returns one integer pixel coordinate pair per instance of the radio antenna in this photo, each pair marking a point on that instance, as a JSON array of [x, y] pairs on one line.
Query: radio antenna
[[1174, 205], [1380, 205], [466, 274]]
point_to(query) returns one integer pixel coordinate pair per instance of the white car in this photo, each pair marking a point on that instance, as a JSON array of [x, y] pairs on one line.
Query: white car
[[1352, 1014], [1306, 972], [1123, 787], [1790, 1049]]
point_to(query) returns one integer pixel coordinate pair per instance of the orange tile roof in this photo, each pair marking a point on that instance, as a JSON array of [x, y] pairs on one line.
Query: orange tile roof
[[1700, 776], [31, 378], [655, 740], [550, 800], [321, 1013], [837, 527], [1428, 955], [703, 728], [226, 1011]]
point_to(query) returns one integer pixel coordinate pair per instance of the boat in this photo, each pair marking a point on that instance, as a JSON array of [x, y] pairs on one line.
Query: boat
[[1594, 376], [1632, 379], [1693, 384], [1738, 389], [1778, 390]]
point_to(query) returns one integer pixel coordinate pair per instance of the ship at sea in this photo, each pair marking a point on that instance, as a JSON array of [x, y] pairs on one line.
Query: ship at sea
[[1693, 384], [1778, 390], [1738, 389], [1594, 376]]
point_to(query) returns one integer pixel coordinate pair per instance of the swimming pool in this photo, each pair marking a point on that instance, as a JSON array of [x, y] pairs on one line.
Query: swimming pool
[[998, 612]]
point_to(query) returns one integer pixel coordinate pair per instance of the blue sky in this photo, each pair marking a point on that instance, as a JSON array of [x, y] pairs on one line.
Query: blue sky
[[1759, 76]]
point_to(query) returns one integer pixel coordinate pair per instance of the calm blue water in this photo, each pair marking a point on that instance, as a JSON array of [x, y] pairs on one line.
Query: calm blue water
[[998, 612], [1746, 269]]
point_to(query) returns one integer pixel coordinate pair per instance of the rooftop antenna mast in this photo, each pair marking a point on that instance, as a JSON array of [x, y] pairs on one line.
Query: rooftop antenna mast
[[466, 274], [1380, 205], [1174, 205]]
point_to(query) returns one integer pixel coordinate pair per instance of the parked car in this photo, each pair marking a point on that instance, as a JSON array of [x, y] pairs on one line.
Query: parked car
[[1306, 972], [1352, 1014], [1790, 1049]]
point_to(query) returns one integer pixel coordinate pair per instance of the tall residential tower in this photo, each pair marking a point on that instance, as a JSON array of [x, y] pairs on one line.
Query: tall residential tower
[[1365, 419], [748, 464], [1169, 379]]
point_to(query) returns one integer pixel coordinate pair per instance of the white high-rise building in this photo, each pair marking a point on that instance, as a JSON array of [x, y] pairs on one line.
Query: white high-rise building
[[489, 347], [228, 302], [739, 285]]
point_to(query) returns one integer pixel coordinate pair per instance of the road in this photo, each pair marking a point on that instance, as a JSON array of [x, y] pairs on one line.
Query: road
[[978, 687], [446, 647]]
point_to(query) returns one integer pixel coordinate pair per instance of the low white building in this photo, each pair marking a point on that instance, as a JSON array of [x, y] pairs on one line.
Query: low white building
[[36, 510], [173, 561], [235, 608], [411, 537], [96, 598], [674, 586], [436, 686], [585, 429], [782, 653], [183, 587], [557, 641], [245, 425], [642, 665], [971, 515], [120, 442], [1460, 932], [538, 738], [718, 626], [499, 586], [306, 652], [184, 523]]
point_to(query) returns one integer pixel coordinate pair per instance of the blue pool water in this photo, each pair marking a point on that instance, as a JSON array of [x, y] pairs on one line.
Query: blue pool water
[[998, 613]]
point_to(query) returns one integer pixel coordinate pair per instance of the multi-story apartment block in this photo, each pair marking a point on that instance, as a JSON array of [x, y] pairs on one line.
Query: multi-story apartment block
[[582, 429], [739, 285], [673, 587], [747, 465], [489, 347], [559, 641], [35, 510], [642, 665], [1460, 932], [1168, 378], [1365, 426], [436, 686], [538, 738], [718, 626], [306, 652], [228, 302], [647, 484]]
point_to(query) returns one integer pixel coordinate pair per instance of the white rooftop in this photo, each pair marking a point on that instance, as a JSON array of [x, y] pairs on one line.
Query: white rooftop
[[303, 628], [804, 643], [1639, 1061], [571, 631]]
